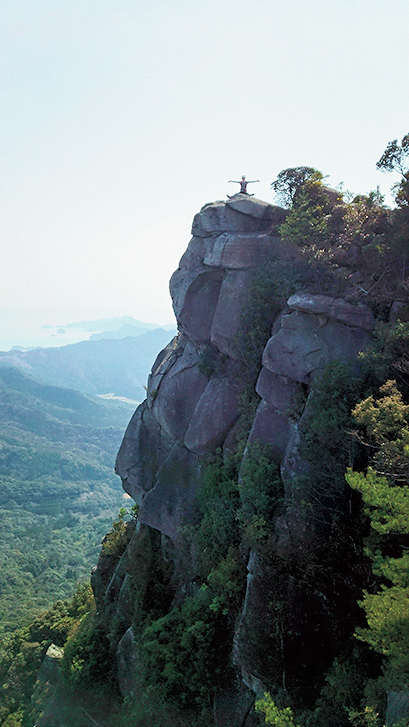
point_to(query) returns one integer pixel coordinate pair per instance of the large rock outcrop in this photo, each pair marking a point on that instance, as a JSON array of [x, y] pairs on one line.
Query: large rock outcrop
[[190, 411], [187, 415]]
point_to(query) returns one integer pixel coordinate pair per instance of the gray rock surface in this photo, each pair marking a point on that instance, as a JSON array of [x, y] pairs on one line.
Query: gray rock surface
[[128, 663], [241, 213], [296, 350], [237, 252], [271, 427], [188, 415], [306, 342], [215, 414], [226, 321], [169, 505], [279, 391], [143, 449], [172, 407], [337, 308]]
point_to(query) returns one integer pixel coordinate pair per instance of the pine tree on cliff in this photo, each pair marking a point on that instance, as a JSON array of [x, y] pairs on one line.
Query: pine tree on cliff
[[385, 492]]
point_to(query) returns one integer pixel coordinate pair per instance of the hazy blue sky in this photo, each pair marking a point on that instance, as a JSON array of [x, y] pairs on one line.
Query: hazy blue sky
[[121, 118]]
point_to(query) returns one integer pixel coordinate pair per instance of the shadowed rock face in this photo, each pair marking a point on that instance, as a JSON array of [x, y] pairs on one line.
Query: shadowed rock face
[[188, 415]]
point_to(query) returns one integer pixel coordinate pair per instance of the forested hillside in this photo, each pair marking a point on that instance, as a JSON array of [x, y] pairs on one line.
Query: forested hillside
[[58, 490]]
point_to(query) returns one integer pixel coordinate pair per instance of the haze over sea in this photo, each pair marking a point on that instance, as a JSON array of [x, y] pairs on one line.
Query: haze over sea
[[32, 333]]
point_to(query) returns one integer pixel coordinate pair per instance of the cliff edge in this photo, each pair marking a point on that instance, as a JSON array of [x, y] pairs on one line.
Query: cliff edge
[[194, 408]]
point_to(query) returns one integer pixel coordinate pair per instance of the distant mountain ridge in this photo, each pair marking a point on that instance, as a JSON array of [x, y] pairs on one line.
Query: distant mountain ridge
[[122, 332], [114, 324], [23, 335], [118, 366]]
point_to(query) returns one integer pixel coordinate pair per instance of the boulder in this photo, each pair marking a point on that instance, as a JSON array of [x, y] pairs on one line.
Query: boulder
[[214, 415], [242, 213], [227, 236], [226, 320], [172, 406], [163, 363], [241, 251], [296, 350], [170, 504], [271, 427], [144, 447], [344, 342], [190, 267], [279, 391], [195, 304], [257, 208], [294, 468], [128, 663], [250, 637], [337, 308], [307, 342]]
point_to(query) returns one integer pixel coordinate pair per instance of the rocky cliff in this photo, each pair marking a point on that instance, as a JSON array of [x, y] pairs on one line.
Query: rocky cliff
[[194, 408]]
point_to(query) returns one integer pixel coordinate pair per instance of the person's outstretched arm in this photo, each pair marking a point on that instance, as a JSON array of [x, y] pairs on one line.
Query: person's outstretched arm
[[234, 181]]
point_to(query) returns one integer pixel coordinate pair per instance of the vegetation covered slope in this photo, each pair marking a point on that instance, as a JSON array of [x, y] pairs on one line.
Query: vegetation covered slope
[[58, 491]]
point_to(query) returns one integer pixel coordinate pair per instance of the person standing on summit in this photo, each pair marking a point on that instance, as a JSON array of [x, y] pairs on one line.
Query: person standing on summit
[[243, 184]]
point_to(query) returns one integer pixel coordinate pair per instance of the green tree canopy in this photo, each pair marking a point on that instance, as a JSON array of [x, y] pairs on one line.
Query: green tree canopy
[[307, 222], [272, 714], [385, 493], [395, 158], [289, 181]]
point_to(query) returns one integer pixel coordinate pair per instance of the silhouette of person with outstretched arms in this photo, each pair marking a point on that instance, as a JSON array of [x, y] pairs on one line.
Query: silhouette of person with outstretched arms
[[243, 184]]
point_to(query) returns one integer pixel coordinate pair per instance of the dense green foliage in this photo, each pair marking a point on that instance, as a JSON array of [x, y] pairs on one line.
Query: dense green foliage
[[289, 182], [261, 492], [308, 220], [395, 157], [182, 650], [58, 491], [385, 492], [278, 280], [325, 437], [211, 361], [22, 653], [186, 652], [272, 714]]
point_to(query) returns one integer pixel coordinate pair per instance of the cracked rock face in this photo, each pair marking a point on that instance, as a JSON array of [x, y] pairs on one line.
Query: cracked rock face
[[188, 413]]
